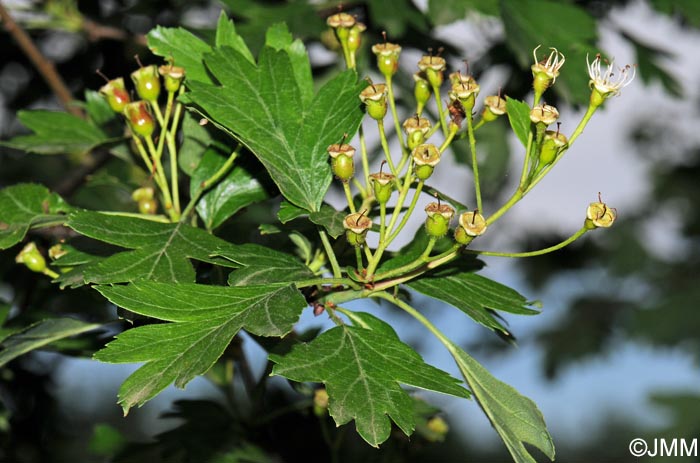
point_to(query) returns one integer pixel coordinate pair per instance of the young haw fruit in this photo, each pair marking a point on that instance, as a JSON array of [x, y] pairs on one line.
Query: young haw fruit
[[355, 36], [139, 118], [416, 129], [471, 224], [172, 76], [382, 185], [425, 158], [387, 57], [465, 91], [115, 93], [31, 258], [433, 67], [553, 145], [494, 107], [599, 215], [374, 98], [356, 226], [147, 82], [544, 114], [421, 91], [438, 221], [342, 162], [341, 24]]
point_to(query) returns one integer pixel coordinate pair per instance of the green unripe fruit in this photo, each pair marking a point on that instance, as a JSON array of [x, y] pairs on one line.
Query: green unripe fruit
[[438, 221], [320, 402], [147, 82], [341, 23], [116, 95], [544, 115], [31, 258], [148, 206], [416, 129], [599, 215], [472, 224], [421, 91], [356, 227], [465, 91], [172, 77], [387, 58], [342, 162], [383, 186], [494, 107], [355, 37], [433, 67], [142, 194], [139, 118], [554, 144], [374, 98], [425, 158]]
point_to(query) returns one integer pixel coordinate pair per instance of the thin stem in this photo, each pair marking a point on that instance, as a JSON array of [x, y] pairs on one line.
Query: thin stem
[[392, 105], [475, 164], [581, 125], [432, 263], [358, 258], [330, 253], [348, 196], [152, 218], [539, 252], [159, 115], [526, 161], [50, 273], [407, 215], [211, 181], [326, 281], [443, 124], [415, 314], [382, 221], [43, 65], [365, 159], [453, 131], [385, 147], [420, 261], [160, 173], [360, 188], [517, 196], [166, 119]]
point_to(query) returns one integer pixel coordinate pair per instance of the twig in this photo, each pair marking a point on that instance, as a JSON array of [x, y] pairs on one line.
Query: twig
[[43, 65], [96, 32]]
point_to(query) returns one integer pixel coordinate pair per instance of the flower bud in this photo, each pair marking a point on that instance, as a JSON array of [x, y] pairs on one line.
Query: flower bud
[[147, 83], [342, 162], [116, 95], [416, 129], [545, 72], [494, 107], [374, 97], [425, 158], [438, 222], [31, 258], [387, 58], [471, 224], [554, 144], [320, 402], [139, 118], [355, 36], [599, 215], [356, 227], [433, 67], [172, 77], [544, 114], [383, 186], [421, 91]]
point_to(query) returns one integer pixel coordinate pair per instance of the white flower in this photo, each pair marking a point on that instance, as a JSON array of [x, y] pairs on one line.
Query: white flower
[[609, 83]]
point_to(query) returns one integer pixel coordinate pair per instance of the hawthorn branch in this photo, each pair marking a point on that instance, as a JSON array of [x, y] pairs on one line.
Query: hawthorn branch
[[40, 62]]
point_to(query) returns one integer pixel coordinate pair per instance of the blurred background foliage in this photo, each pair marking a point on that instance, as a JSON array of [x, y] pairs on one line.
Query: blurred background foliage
[[657, 308]]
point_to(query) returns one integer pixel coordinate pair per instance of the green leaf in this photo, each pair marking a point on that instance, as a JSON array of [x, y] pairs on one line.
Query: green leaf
[[56, 133], [40, 334], [227, 36], [24, 205], [519, 117], [647, 63], [448, 11], [184, 47], [515, 417], [397, 16], [565, 26], [205, 320], [279, 38], [97, 108], [362, 369], [263, 108], [688, 9], [161, 251], [289, 212], [474, 295], [235, 191], [263, 265], [330, 219]]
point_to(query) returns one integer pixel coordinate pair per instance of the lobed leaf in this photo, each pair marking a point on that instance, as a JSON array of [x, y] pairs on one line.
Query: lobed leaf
[[362, 369], [515, 417], [204, 321], [263, 107], [57, 133], [519, 117], [24, 205]]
